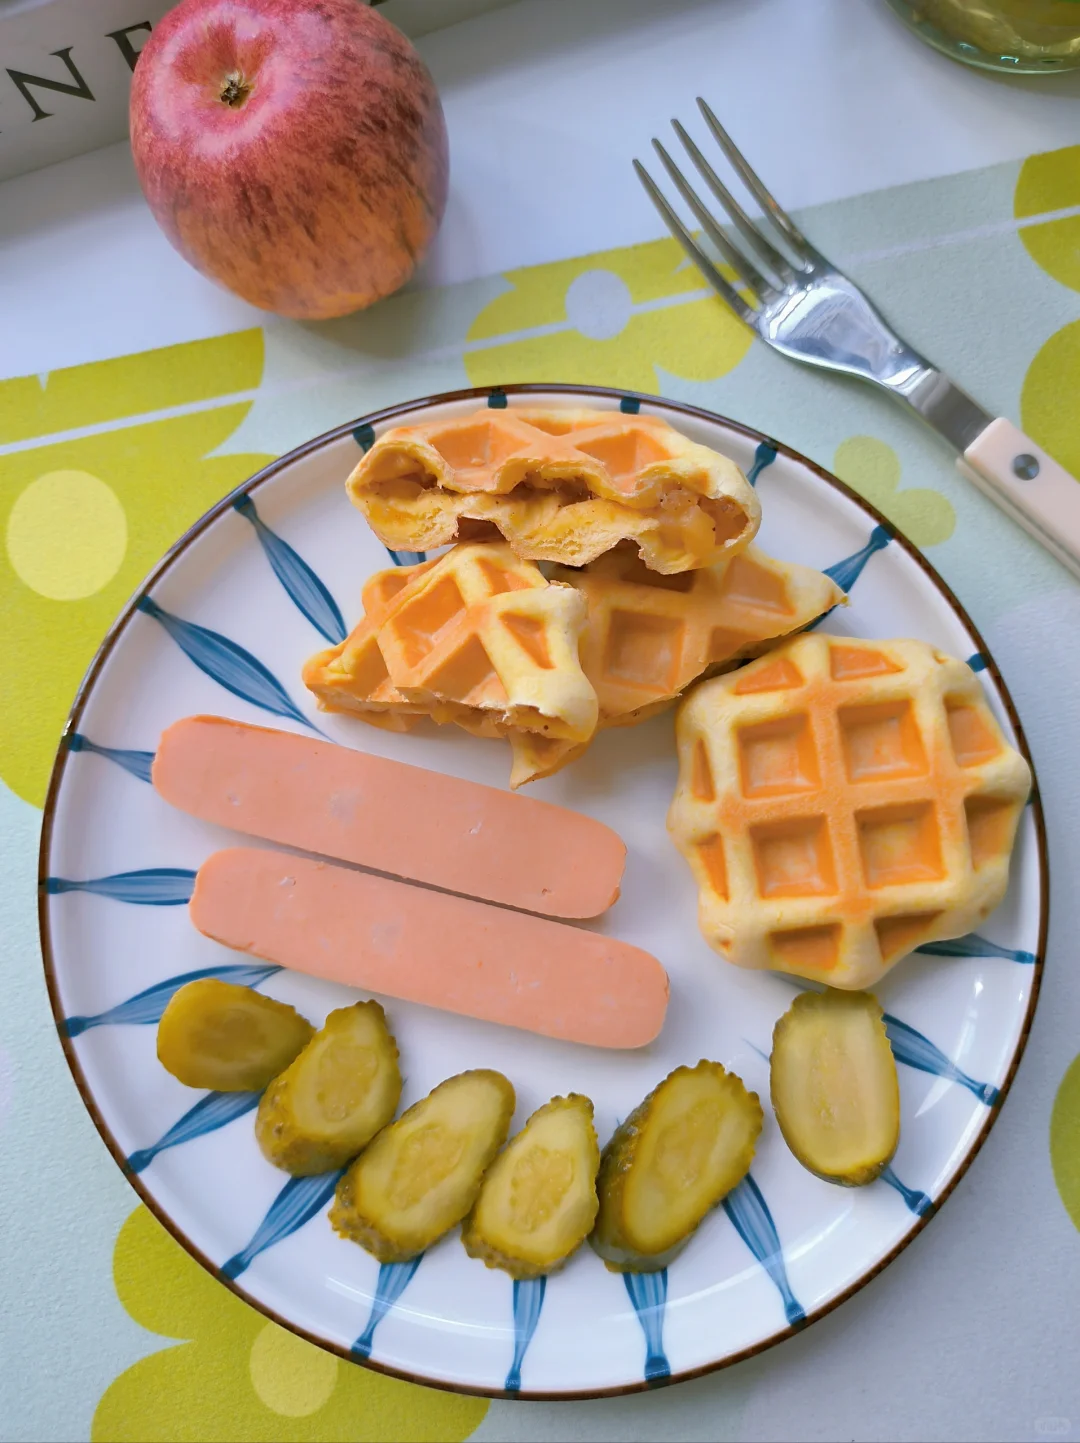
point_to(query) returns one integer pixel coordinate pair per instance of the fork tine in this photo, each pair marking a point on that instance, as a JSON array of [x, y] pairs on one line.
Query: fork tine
[[742, 265], [777, 263], [693, 250], [779, 217]]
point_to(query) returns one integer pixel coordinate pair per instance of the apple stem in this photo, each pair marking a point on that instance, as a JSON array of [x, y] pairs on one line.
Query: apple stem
[[235, 89]]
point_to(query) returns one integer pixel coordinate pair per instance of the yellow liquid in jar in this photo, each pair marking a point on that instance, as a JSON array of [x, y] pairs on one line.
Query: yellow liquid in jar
[[1013, 34]]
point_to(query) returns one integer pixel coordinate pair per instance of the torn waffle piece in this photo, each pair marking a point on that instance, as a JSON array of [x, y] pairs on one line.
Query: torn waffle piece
[[841, 802], [304, 792], [477, 637], [645, 638], [648, 637], [423, 946], [558, 485]]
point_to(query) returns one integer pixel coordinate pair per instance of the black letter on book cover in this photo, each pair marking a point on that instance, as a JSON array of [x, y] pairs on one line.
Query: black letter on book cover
[[124, 45], [24, 81]]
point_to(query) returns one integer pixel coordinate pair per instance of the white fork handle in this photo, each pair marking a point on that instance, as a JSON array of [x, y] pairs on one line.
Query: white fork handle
[[1030, 486]]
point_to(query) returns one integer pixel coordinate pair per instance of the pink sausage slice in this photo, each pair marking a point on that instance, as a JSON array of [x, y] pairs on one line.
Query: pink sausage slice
[[450, 833], [422, 946]]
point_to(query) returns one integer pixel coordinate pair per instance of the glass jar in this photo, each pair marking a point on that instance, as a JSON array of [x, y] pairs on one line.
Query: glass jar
[[1028, 37]]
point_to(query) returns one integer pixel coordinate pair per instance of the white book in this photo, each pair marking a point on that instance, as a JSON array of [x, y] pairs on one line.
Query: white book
[[65, 68]]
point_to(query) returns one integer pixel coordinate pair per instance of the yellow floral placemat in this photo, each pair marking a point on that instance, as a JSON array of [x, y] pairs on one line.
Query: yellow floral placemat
[[108, 1329]]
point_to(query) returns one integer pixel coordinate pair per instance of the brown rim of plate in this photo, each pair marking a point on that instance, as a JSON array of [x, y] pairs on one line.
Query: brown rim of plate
[[252, 484]]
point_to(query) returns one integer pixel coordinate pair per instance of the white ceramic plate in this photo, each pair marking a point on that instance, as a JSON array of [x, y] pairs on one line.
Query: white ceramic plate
[[223, 626]]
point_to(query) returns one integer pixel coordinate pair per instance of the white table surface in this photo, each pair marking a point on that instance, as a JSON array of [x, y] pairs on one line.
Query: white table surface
[[546, 102]]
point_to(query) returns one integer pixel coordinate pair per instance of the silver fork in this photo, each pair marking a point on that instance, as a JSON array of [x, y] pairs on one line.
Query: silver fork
[[800, 304]]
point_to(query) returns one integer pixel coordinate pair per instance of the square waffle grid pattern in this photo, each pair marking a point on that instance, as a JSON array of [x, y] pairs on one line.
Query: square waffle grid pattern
[[560, 485], [476, 637], [842, 802]]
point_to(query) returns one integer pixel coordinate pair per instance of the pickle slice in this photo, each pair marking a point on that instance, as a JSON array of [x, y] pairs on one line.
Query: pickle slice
[[834, 1086], [669, 1164], [421, 1175], [218, 1035], [538, 1201], [337, 1094]]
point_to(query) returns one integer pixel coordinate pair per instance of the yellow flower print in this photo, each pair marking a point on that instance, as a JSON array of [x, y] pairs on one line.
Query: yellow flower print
[[870, 467], [1048, 400], [612, 319], [1051, 182], [86, 517], [1065, 1140], [238, 1377]]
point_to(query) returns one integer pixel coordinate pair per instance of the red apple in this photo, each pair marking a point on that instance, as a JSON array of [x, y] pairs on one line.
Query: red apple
[[292, 150]]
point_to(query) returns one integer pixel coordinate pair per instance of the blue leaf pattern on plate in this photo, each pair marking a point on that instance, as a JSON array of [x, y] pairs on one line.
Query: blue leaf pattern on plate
[[147, 1007], [977, 661], [407, 558], [974, 946], [917, 1201], [764, 456], [154, 887], [209, 1113], [228, 664], [297, 1203], [753, 1221], [304, 588], [497, 399], [845, 573], [137, 763], [364, 436], [915, 1050], [393, 1279], [648, 1293], [528, 1300], [629, 405]]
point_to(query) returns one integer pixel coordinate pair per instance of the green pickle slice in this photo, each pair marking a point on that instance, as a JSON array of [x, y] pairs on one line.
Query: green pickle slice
[[669, 1164], [228, 1038], [538, 1202], [338, 1093], [421, 1175], [834, 1086]]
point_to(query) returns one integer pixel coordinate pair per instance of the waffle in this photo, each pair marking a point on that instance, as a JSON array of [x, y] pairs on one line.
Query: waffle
[[353, 675], [840, 803], [476, 637], [649, 636], [646, 639], [563, 486]]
